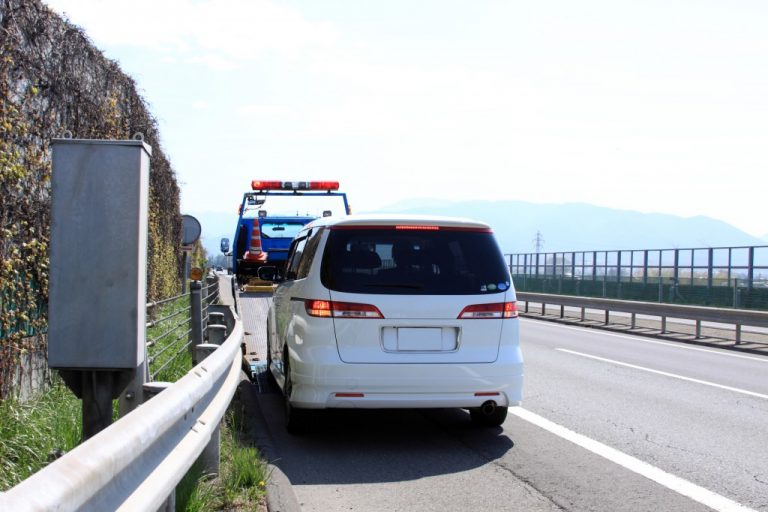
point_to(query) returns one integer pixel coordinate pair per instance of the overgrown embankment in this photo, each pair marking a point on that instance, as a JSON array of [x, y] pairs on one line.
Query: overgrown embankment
[[54, 80]]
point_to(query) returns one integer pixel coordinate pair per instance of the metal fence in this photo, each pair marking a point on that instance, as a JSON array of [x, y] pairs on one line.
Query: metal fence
[[712, 276], [176, 325]]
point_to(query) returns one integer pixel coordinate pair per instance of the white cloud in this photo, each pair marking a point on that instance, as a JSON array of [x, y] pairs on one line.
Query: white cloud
[[213, 61], [221, 30]]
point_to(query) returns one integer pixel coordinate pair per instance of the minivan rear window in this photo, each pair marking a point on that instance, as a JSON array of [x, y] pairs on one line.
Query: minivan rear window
[[413, 262]]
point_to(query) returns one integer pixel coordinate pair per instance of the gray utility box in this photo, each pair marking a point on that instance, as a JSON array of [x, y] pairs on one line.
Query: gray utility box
[[97, 300]]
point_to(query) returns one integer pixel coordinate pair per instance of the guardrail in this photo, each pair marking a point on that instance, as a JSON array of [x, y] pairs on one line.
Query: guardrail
[[735, 317], [136, 463]]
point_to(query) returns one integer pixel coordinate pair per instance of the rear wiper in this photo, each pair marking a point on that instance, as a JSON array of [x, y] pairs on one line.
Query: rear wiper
[[396, 285]]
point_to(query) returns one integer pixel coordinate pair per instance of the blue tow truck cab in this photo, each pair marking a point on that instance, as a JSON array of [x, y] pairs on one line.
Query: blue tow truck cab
[[262, 239]]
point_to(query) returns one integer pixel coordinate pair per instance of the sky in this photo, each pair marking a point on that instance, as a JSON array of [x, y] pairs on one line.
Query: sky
[[654, 106]]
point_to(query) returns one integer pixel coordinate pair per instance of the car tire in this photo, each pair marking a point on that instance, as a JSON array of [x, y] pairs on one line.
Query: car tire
[[295, 418], [483, 417]]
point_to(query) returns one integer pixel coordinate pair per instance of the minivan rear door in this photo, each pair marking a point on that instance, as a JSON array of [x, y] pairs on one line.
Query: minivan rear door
[[416, 329], [419, 280]]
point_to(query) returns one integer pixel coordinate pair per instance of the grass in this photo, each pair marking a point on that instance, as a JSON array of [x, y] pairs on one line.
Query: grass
[[33, 431], [241, 484], [170, 362]]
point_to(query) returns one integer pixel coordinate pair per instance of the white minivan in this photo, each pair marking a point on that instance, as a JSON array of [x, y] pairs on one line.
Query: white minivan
[[395, 312]]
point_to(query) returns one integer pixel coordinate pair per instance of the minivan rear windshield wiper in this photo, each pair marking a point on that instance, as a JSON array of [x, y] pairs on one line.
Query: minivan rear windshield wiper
[[396, 285]]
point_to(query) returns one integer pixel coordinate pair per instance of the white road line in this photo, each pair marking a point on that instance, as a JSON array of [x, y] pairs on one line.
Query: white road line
[[677, 484], [689, 379], [642, 339]]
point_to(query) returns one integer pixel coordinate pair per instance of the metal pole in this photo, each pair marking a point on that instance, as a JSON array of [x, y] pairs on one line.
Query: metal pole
[[645, 267], [594, 265], [196, 307], [185, 277], [661, 283], [132, 397], [677, 262], [97, 401], [751, 268]]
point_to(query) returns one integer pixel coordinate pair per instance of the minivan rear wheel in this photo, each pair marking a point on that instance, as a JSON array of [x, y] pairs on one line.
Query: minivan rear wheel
[[295, 418], [488, 415]]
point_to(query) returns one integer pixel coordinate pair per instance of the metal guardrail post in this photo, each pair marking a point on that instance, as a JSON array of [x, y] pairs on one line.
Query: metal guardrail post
[[151, 389], [217, 328], [196, 306], [210, 458], [217, 334]]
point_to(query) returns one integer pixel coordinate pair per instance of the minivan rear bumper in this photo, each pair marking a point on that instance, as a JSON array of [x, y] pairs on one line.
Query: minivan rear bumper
[[334, 384]]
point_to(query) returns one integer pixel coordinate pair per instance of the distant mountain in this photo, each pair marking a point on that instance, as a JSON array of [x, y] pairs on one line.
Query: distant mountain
[[584, 227], [564, 227]]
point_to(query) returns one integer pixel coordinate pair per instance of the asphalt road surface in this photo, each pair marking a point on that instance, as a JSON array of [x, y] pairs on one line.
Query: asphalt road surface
[[609, 422]]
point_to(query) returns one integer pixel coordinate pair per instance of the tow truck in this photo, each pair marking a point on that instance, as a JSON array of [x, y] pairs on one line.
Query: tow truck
[[263, 239]]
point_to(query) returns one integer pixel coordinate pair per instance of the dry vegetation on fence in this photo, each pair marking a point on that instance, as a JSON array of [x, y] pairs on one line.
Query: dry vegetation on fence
[[54, 80]]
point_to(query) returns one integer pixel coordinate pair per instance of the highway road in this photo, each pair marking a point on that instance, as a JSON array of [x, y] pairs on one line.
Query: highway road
[[609, 422]]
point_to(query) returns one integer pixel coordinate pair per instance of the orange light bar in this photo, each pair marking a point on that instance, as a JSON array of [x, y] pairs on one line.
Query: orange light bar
[[324, 185], [487, 393], [266, 185], [294, 185]]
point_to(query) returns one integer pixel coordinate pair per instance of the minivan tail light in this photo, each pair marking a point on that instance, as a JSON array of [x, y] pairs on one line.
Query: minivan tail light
[[486, 311], [327, 308]]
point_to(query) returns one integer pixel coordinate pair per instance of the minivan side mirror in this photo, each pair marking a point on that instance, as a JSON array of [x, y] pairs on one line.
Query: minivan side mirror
[[268, 273]]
